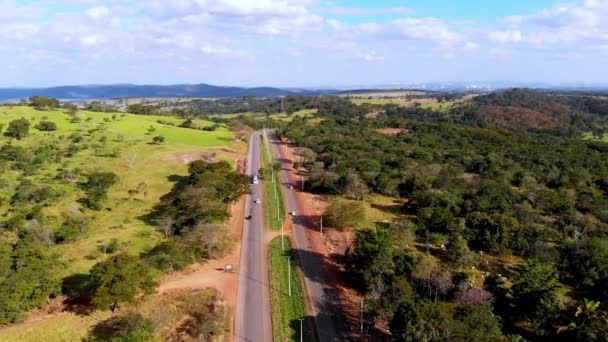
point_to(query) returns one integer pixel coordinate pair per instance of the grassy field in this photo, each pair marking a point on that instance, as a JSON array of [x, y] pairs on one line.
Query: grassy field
[[273, 197], [124, 138], [427, 103], [66, 327], [113, 142], [286, 310]]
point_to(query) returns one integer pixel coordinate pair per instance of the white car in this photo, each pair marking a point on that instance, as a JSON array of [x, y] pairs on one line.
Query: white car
[[292, 213], [256, 201], [290, 187]]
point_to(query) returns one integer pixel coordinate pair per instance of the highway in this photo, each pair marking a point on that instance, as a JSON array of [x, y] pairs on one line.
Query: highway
[[252, 321], [324, 305]]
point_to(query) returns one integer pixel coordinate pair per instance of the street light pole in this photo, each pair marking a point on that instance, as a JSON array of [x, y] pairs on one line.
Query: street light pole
[[289, 273], [301, 329]]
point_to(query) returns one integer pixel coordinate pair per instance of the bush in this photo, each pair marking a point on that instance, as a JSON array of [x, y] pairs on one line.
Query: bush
[[46, 126], [129, 328]]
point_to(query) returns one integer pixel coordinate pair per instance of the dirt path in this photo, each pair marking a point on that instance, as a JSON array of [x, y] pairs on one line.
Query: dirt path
[[330, 244]]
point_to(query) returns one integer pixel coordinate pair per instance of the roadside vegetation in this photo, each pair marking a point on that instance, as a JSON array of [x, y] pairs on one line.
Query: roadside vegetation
[[83, 218], [274, 206], [286, 310]]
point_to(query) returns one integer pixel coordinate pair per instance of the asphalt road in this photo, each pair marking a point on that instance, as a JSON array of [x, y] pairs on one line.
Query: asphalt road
[[327, 313], [253, 301]]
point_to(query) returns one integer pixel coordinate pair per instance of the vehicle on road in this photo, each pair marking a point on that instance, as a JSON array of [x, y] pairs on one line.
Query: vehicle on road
[[290, 187], [256, 201], [248, 217], [256, 179], [292, 213]]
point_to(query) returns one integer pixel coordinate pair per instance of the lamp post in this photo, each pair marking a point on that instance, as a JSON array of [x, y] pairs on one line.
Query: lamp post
[[289, 273], [301, 329]]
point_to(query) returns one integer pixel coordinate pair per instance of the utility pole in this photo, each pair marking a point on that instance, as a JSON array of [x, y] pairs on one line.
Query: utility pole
[[289, 273], [301, 329], [321, 224], [361, 317]]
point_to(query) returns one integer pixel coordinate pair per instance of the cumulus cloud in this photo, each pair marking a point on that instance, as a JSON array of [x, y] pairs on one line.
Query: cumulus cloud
[[98, 12], [202, 34]]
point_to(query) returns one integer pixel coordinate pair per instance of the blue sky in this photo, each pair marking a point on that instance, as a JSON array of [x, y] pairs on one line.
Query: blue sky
[[302, 42]]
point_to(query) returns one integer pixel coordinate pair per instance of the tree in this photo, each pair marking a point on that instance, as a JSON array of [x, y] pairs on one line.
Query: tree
[[159, 139], [167, 226], [18, 129], [372, 256], [71, 109], [46, 126], [538, 292], [119, 279], [478, 324], [96, 188], [43, 102], [458, 250], [473, 297], [342, 214], [27, 279], [210, 240], [355, 186], [128, 328], [588, 263], [589, 322], [422, 321], [188, 123]]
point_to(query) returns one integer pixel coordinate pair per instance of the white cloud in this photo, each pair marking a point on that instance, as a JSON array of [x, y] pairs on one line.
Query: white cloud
[[98, 13], [91, 40], [514, 36], [360, 11], [371, 56], [215, 50]]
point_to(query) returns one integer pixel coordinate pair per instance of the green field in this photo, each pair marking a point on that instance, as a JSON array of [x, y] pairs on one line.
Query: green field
[[66, 327], [121, 146], [286, 310], [274, 207]]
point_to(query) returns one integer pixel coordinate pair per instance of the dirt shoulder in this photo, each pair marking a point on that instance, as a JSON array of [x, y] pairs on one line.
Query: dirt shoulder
[[332, 245]]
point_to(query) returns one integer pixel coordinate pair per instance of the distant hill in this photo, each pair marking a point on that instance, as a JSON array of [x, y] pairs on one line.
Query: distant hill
[[529, 108], [129, 90]]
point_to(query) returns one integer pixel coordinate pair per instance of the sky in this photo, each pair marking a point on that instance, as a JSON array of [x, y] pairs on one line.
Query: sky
[[302, 43]]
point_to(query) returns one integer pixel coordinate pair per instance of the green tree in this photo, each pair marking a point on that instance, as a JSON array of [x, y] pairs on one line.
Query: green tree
[[588, 264], [119, 279], [18, 129], [159, 139], [538, 292], [478, 324], [128, 328], [372, 256], [590, 323], [96, 188], [46, 126], [28, 282], [43, 102], [422, 321], [458, 250]]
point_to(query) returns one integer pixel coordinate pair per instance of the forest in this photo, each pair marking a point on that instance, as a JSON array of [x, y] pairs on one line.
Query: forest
[[479, 191]]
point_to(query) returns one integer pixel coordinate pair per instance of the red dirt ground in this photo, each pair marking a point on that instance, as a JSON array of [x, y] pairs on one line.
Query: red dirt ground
[[331, 244]]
